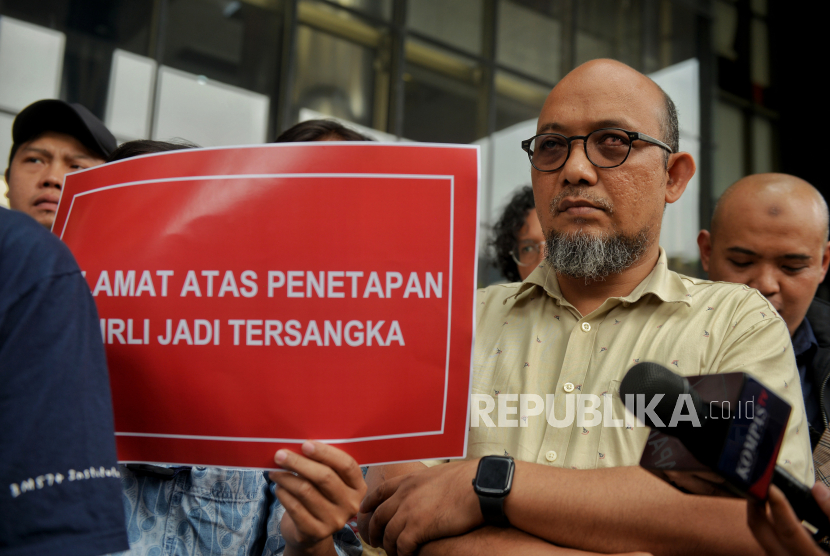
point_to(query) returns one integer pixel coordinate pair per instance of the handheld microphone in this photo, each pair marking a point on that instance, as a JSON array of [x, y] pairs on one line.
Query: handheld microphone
[[732, 424]]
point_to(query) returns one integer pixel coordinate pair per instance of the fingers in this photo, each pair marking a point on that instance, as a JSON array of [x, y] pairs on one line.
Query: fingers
[[363, 525], [323, 491], [822, 495], [391, 532], [380, 494], [312, 500], [761, 527], [342, 463], [380, 520], [791, 534], [308, 525], [334, 473], [396, 541]]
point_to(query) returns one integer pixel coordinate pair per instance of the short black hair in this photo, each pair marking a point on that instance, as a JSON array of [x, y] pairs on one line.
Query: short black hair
[[315, 130], [506, 231], [148, 146], [670, 124]]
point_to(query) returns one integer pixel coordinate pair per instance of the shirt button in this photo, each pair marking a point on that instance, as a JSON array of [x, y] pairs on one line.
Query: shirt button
[[586, 327], [569, 387], [550, 456]]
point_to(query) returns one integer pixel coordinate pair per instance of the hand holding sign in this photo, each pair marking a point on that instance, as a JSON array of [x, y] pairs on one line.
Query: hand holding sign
[[325, 494]]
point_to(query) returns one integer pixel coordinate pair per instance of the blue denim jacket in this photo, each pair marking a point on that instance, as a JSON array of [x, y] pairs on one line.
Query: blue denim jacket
[[208, 511]]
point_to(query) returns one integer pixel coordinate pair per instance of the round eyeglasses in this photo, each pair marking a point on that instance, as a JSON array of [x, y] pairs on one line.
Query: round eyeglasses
[[528, 253], [608, 147]]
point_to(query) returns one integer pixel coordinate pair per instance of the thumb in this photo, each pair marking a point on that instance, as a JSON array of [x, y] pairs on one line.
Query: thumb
[[822, 495]]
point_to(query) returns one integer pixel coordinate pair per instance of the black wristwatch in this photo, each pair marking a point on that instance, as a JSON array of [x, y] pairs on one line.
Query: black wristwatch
[[492, 484]]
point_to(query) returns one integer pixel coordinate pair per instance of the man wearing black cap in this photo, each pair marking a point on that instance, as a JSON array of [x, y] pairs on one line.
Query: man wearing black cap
[[52, 138]]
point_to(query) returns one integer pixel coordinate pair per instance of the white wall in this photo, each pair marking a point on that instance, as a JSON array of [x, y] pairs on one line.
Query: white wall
[[31, 64], [207, 112], [130, 96]]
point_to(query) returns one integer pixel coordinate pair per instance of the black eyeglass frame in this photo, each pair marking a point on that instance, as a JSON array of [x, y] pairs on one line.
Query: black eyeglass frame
[[632, 136]]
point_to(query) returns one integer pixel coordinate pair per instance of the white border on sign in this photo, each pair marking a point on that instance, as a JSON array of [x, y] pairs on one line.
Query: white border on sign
[[451, 179]]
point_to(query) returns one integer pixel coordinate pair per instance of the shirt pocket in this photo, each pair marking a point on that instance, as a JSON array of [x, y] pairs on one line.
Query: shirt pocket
[[621, 441]]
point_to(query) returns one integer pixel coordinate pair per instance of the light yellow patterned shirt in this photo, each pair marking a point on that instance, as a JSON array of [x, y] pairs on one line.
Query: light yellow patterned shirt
[[530, 340]]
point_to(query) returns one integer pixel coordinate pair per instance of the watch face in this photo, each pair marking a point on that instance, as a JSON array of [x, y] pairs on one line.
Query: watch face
[[493, 474]]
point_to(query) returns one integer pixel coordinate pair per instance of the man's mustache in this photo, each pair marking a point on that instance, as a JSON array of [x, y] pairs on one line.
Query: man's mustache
[[581, 193]]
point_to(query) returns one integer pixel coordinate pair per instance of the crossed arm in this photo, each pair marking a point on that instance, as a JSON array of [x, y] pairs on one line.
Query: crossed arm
[[602, 510]]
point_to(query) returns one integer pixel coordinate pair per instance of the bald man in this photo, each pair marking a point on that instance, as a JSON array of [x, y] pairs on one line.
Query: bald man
[[604, 163], [770, 231]]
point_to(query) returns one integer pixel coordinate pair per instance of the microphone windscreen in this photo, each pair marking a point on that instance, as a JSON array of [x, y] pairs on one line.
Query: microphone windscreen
[[651, 379]]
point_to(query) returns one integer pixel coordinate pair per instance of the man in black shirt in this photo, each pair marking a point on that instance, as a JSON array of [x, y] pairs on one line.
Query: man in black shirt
[[59, 486]]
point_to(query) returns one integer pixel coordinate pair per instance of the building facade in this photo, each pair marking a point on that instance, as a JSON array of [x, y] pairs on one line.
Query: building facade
[[221, 72]]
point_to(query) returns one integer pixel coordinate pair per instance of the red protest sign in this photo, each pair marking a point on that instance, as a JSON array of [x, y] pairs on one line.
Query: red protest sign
[[254, 297]]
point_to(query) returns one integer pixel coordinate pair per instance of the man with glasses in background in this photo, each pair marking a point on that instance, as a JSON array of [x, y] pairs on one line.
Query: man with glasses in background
[[602, 300], [518, 242]]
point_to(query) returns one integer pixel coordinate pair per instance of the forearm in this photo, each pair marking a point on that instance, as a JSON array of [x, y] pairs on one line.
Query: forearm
[[494, 540], [624, 509]]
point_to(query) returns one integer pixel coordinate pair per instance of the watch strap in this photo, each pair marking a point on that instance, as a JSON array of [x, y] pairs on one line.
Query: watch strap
[[492, 508]]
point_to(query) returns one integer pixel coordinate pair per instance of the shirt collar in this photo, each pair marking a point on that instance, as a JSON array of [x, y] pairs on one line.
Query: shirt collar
[[804, 338], [661, 282]]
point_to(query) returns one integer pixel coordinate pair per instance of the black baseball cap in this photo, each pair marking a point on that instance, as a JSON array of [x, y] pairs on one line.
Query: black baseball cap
[[62, 117]]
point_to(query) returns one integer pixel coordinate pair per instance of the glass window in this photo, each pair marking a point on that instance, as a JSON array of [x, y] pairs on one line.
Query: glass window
[[325, 17], [759, 7], [678, 33], [377, 8], [92, 34], [517, 100], [235, 43], [455, 22], [530, 41], [207, 112], [131, 95], [608, 29], [759, 63], [441, 96], [762, 145], [31, 60], [729, 147], [334, 77], [724, 29]]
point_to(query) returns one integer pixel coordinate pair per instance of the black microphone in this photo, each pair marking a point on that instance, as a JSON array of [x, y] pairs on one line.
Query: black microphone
[[732, 424]]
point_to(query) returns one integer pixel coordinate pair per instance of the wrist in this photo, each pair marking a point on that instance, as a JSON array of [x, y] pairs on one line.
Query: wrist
[[492, 485], [472, 503], [323, 547]]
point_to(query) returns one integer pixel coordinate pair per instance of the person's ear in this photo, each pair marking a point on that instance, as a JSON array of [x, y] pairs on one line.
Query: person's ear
[[704, 243], [681, 168], [8, 187], [825, 260]]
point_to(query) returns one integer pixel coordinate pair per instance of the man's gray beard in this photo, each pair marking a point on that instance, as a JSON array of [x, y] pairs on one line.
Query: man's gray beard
[[581, 255]]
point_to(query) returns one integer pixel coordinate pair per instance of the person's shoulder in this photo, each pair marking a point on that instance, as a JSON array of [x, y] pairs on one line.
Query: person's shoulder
[[498, 292], [819, 316], [737, 300], [494, 298], [29, 252], [701, 289], [819, 310]]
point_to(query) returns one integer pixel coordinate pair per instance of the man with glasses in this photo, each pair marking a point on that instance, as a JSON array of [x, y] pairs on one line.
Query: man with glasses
[[518, 241], [602, 300]]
